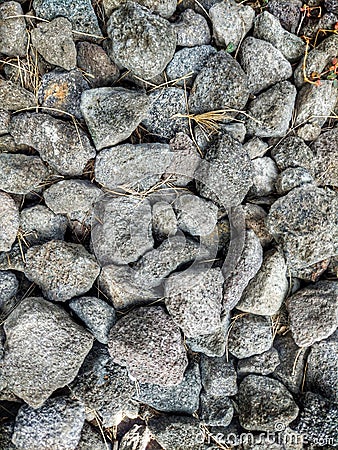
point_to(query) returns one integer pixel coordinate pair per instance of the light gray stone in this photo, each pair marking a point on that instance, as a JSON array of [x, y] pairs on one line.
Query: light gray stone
[[325, 149], [265, 174], [263, 364], [293, 152], [164, 220], [13, 97], [256, 148], [13, 36], [192, 29], [164, 8], [291, 178], [5, 118], [9, 221], [287, 11]]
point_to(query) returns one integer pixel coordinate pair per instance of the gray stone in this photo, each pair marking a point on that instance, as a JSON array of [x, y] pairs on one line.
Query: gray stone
[[304, 222], [164, 220], [215, 411], [63, 146], [245, 269], [8, 288], [165, 104], [63, 270], [219, 378], [331, 6], [99, 69], [96, 314], [225, 175], [321, 373], [290, 371], [325, 149], [5, 119], [182, 398], [269, 28], [136, 167], [91, 439], [250, 335], [105, 388], [13, 97], [265, 174], [192, 29], [9, 221], [40, 359], [164, 8], [112, 114], [13, 259], [148, 342], [6, 431], [266, 292], [39, 225], [74, 198], [287, 11], [255, 220], [271, 112], [263, 403], [291, 178], [187, 63], [313, 313], [119, 285], [62, 91], [318, 420], [121, 230], [293, 152], [256, 148], [262, 364], [221, 84], [313, 107], [177, 432], [54, 41], [141, 42], [79, 12], [57, 424], [13, 36], [230, 23], [264, 64], [137, 438], [195, 215], [194, 300]]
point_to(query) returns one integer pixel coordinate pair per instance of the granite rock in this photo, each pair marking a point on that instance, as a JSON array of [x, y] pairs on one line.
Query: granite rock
[[291, 178], [9, 221], [263, 364], [164, 8], [219, 378], [265, 174], [325, 149], [13, 97], [192, 29], [13, 36]]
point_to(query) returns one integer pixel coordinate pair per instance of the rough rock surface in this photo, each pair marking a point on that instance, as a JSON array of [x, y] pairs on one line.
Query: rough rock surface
[[265, 174], [219, 376], [148, 342], [164, 220], [191, 29], [215, 411], [291, 178], [9, 221], [325, 149], [39, 360], [13, 37], [263, 364], [8, 287], [164, 8], [13, 97], [91, 439]]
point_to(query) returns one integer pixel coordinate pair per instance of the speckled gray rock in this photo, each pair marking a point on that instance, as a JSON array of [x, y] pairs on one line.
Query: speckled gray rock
[[290, 371], [9, 221], [250, 335], [182, 398], [6, 431], [230, 22], [165, 104], [177, 432], [91, 439], [74, 198], [12, 260], [105, 387], [192, 29], [269, 28], [287, 11], [194, 300], [325, 149], [331, 6], [164, 220], [137, 438], [148, 342], [215, 411], [264, 64], [219, 377], [79, 12], [265, 293], [256, 148], [39, 225], [64, 147], [8, 288], [138, 166], [293, 152], [121, 229], [245, 269], [195, 215], [141, 42], [5, 119], [318, 420], [313, 313], [164, 8], [225, 175], [304, 222], [188, 62], [262, 364], [321, 374], [271, 112], [40, 359], [112, 114], [265, 174], [62, 91], [13, 36], [57, 424], [255, 217], [314, 105], [54, 41], [221, 84], [62, 270], [291, 178], [13, 97], [263, 402], [96, 314]]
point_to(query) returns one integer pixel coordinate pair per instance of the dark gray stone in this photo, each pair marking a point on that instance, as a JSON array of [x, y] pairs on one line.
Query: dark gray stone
[[287, 11], [293, 152], [141, 42], [215, 411], [9, 221], [219, 376], [263, 364], [112, 114], [57, 424], [91, 439], [13, 35], [164, 8], [148, 342], [8, 288], [255, 217], [331, 6], [63, 270], [42, 358], [291, 178], [325, 149], [13, 97], [192, 29]]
